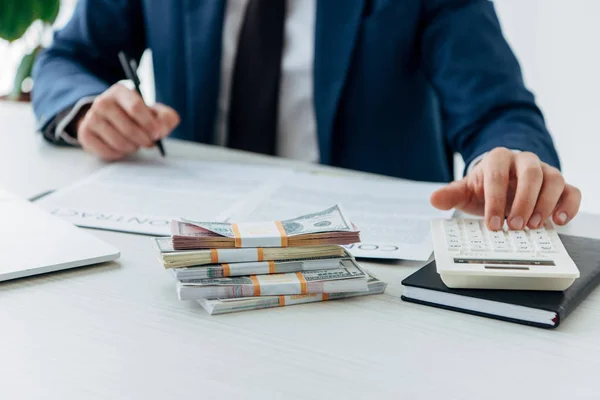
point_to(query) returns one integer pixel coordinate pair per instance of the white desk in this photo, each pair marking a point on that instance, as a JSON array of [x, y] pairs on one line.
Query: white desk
[[117, 331]]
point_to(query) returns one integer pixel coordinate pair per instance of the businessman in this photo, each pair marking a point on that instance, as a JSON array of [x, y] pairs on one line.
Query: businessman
[[385, 86]]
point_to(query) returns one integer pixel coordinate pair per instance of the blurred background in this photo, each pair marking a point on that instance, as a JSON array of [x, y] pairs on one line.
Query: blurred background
[[556, 42]]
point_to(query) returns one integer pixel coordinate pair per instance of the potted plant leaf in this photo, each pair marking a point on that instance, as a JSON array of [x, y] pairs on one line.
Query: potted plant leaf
[[16, 16]]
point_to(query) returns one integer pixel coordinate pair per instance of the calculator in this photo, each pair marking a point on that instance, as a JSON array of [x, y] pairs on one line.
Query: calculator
[[469, 256]]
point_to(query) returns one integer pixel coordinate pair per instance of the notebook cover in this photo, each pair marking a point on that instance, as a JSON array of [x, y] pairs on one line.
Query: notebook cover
[[584, 252]]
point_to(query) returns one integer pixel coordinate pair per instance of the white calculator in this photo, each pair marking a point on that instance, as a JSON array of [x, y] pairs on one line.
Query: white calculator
[[469, 256]]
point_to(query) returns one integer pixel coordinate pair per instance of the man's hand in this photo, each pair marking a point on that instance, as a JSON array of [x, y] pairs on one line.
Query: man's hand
[[516, 185], [119, 122]]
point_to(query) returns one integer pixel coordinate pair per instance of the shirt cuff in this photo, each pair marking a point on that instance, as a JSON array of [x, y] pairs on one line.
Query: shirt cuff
[[61, 128], [480, 157]]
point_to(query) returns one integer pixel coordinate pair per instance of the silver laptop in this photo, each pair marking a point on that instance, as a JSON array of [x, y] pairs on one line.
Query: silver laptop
[[32, 241]]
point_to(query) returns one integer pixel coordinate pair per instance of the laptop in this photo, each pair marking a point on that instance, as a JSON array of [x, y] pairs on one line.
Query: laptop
[[33, 241]]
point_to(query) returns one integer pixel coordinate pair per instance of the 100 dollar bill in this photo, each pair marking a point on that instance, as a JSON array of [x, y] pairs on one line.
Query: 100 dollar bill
[[331, 219]]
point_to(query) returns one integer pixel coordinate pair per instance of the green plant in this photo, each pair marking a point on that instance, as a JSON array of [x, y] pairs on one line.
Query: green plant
[[16, 16]]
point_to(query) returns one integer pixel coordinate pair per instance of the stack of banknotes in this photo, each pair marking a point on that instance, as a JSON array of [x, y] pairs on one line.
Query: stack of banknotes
[[232, 267]]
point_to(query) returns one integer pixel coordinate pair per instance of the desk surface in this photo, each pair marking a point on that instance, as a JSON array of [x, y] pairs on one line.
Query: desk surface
[[118, 331]]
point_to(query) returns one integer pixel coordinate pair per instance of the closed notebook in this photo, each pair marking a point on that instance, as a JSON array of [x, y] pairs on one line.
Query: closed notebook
[[541, 309]]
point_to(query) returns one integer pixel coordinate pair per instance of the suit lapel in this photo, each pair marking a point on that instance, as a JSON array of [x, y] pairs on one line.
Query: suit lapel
[[203, 30], [336, 32]]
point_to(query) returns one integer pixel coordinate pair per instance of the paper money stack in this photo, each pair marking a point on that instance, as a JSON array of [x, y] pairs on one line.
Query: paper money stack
[[232, 267]]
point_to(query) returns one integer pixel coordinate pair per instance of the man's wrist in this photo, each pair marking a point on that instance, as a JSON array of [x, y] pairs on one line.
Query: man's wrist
[[73, 127], [67, 127]]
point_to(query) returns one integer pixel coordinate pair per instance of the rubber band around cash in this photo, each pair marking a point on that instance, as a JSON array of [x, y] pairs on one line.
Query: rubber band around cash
[[259, 234]]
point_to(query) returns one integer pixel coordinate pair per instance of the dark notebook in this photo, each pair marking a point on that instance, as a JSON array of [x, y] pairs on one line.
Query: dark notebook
[[541, 309]]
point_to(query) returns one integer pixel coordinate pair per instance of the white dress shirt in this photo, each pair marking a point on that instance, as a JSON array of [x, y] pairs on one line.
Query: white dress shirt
[[296, 125]]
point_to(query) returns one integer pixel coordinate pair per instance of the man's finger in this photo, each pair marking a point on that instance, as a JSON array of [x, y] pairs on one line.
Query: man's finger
[[168, 118], [454, 195], [133, 104], [568, 205], [93, 144], [110, 135], [112, 111], [496, 173], [552, 189], [529, 174]]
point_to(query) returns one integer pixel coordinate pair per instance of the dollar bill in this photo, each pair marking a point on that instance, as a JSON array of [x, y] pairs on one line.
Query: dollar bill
[[331, 219]]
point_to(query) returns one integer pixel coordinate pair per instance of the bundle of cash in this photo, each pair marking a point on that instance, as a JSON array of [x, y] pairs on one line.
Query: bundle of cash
[[326, 227], [349, 278], [231, 267], [224, 306], [172, 258], [256, 268]]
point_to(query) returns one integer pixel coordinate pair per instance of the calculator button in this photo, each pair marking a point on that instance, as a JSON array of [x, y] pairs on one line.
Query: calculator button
[[503, 248], [524, 248], [478, 247], [546, 248]]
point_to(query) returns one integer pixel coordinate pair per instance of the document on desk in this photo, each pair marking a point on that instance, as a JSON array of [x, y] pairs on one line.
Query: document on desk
[[393, 215], [142, 197]]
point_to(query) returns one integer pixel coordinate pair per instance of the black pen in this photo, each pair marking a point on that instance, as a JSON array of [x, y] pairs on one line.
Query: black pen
[[130, 67]]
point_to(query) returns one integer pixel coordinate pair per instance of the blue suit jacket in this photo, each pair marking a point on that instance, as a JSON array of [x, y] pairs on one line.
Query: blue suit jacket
[[398, 85]]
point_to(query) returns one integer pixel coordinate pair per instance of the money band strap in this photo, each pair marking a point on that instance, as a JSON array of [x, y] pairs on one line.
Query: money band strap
[[236, 255], [302, 298], [249, 268], [275, 285], [256, 285], [226, 270], [260, 234], [302, 282]]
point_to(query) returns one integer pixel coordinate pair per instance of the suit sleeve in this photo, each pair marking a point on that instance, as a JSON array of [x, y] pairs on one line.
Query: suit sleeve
[[82, 60], [483, 99]]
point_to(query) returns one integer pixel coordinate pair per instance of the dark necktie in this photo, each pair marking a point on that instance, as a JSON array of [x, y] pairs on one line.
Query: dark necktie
[[255, 85]]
